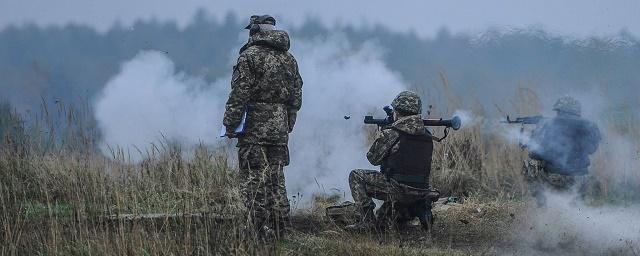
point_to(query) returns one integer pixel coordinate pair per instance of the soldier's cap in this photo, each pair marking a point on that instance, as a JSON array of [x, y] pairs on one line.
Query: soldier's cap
[[407, 102], [569, 105], [261, 19]]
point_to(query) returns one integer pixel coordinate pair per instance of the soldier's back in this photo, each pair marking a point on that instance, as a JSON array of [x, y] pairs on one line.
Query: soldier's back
[[276, 72], [565, 143]]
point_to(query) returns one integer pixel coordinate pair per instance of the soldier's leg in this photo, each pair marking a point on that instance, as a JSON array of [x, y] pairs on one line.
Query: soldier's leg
[[532, 172], [278, 158], [365, 185], [583, 184], [253, 167]]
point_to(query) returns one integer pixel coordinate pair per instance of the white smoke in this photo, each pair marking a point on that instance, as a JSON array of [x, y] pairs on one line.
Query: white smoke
[[566, 226], [339, 81], [518, 134], [149, 100], [467, 118]]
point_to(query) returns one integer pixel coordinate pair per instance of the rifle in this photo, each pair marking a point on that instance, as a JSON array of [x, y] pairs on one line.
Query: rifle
[[524, 120], [383, 123]]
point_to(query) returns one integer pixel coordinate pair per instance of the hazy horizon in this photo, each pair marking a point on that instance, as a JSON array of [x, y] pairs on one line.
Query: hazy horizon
[[572, 18]]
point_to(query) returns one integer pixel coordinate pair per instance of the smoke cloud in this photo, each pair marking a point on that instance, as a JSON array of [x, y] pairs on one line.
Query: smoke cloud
[[339, 81], [149, 101], [467, 118], [567, 227]]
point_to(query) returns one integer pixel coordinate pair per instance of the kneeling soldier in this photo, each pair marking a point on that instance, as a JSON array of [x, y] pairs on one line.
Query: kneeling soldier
[[404, 153], [559, 151]]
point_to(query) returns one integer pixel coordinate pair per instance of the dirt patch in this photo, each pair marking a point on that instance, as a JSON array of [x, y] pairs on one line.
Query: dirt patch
[[466, 227], [474, 223]]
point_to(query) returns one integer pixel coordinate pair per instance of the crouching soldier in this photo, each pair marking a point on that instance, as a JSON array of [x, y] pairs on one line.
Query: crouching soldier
[[559, 151], [404, 153]]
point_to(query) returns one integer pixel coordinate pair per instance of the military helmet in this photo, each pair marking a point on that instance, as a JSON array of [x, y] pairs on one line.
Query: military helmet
[[407, 102], [569, 105], [261, 19]]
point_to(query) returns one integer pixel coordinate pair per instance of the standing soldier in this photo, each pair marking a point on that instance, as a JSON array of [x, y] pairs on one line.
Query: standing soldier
[[559, 151], [266, 87]]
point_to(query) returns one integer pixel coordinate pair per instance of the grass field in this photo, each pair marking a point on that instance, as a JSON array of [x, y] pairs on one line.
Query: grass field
[[60, 196]]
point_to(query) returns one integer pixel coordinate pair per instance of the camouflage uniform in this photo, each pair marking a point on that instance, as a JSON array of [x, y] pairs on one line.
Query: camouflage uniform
[[559, 152], [368, 184], [540, 180], [267, 85]]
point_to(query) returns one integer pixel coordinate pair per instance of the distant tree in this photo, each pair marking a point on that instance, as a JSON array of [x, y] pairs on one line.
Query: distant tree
[[74, 62], [11, 127]]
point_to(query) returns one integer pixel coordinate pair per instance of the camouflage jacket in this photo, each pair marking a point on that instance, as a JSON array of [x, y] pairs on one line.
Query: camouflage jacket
[[564, 143], [386, 141], [265, 83]]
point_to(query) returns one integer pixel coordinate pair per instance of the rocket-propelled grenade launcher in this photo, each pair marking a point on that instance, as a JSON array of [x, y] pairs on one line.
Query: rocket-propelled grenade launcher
[[454, 123]]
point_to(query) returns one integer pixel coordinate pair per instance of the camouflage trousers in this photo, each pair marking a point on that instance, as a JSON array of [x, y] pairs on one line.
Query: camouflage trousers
[[368, 184], [262, 184], [540, 180]]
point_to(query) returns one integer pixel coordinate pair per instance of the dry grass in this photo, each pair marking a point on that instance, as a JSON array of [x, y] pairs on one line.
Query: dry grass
[[349, 244], [56, 189], [55, 203]]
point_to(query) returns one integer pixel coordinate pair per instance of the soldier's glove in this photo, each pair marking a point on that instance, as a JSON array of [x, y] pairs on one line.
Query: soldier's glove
[[231, 135]]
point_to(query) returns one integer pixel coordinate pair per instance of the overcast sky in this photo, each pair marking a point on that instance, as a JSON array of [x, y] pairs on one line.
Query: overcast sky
[[568, 17]]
